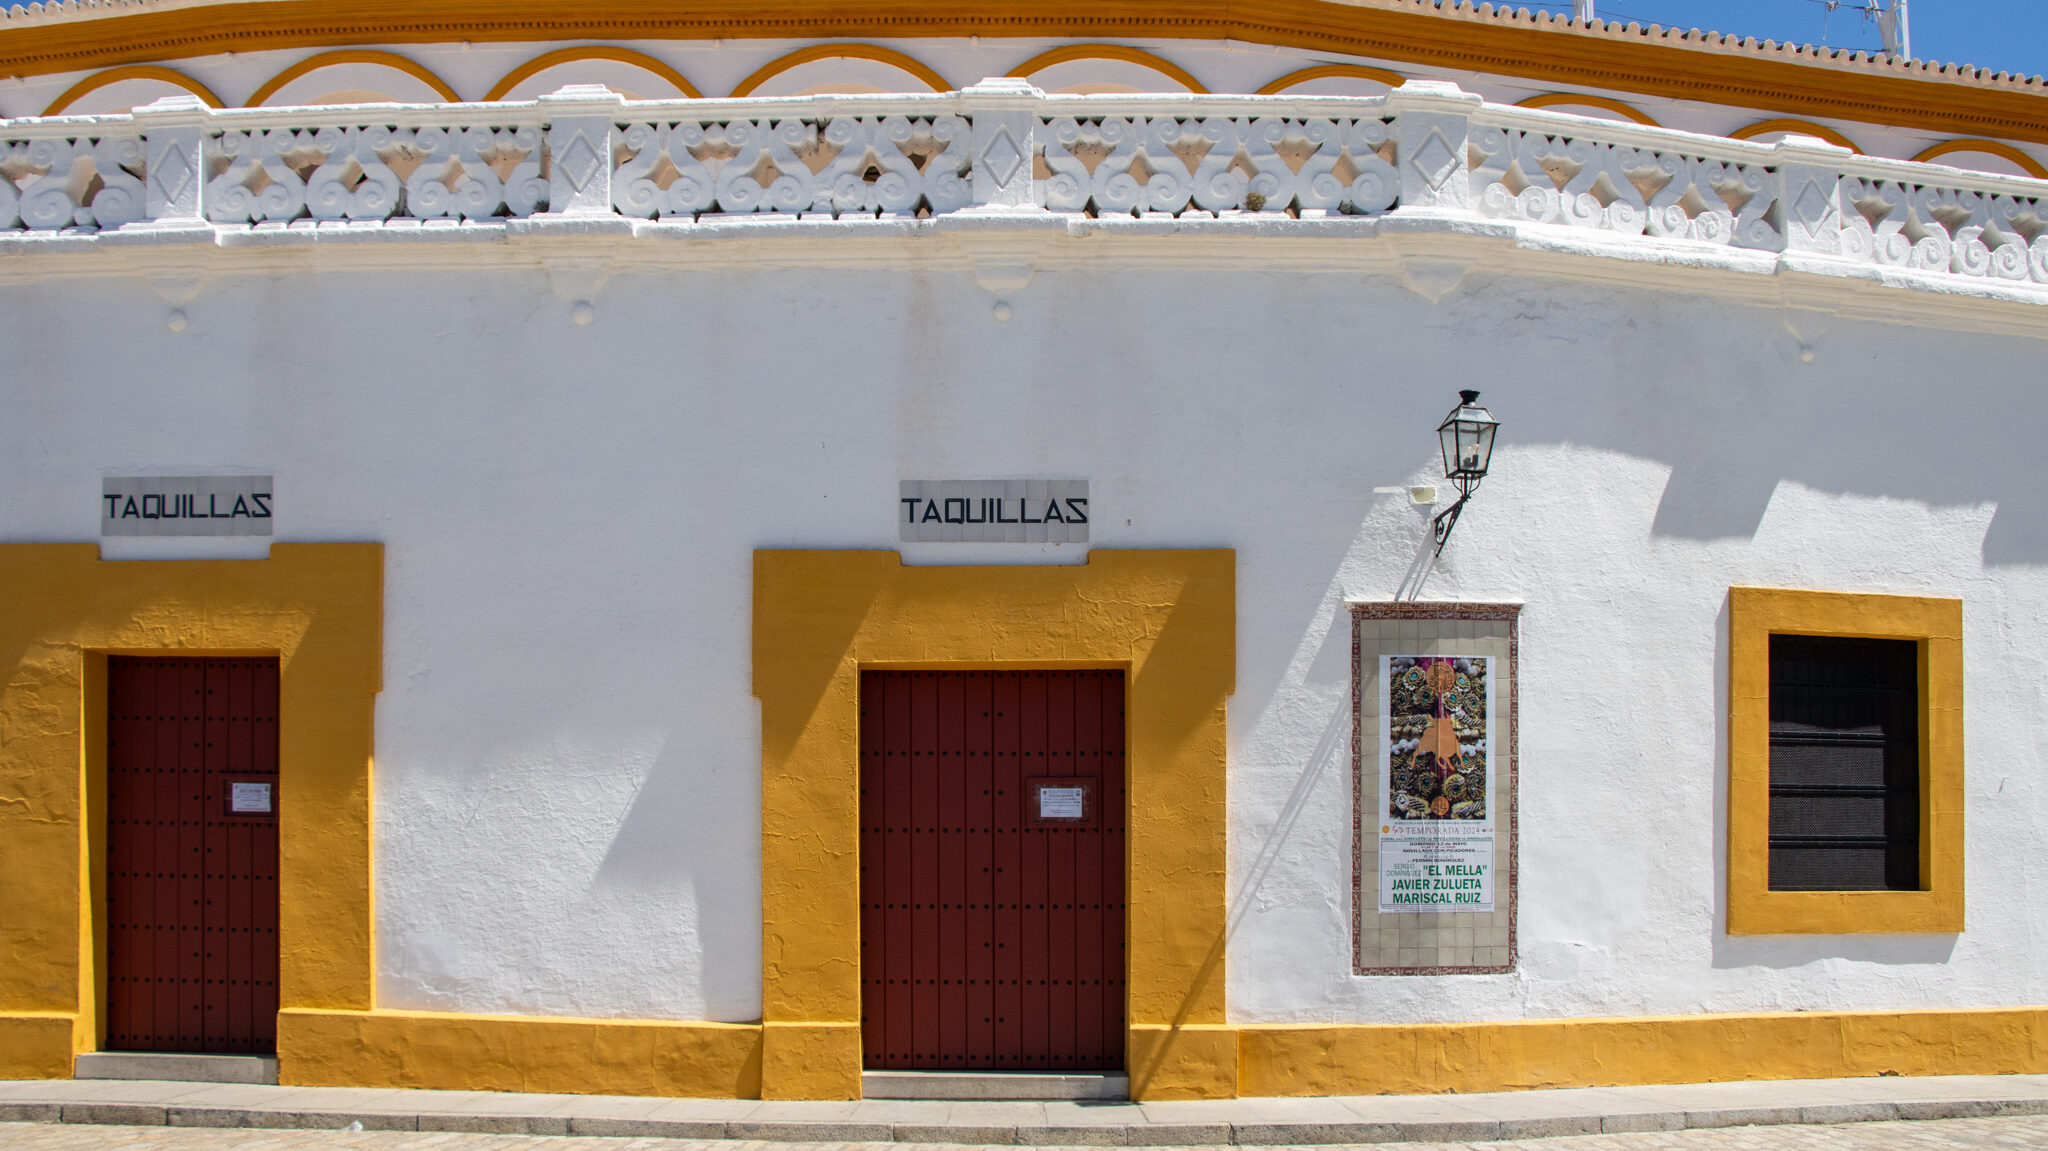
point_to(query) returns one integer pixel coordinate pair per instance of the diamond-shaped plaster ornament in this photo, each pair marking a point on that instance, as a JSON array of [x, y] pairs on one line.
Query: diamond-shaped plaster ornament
[[1435, 160], [579, 162], [1001, 158], [173, 174], [1814, 207]]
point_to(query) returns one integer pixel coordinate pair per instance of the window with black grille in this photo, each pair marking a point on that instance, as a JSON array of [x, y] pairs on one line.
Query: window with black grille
[[1845, 764]]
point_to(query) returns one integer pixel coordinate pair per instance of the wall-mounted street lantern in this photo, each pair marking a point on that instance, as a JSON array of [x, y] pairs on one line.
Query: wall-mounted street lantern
[[1467, 435]]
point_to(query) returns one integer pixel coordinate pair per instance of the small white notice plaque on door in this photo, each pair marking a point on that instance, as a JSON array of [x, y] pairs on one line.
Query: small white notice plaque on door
[[1062, 803], [249, 798]]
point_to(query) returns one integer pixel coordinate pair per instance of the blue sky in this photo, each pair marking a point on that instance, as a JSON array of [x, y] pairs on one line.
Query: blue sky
[[2002, 35]]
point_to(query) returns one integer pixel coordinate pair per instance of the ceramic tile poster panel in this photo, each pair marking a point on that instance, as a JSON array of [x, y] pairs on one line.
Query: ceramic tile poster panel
[[1433, 788], [1437, 829]]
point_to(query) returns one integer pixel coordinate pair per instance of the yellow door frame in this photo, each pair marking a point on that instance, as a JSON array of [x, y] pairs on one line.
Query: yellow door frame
[[1167, 617], [319, 609]]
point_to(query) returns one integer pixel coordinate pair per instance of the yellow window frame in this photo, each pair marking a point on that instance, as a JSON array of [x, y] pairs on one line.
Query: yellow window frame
[[1936, 626]]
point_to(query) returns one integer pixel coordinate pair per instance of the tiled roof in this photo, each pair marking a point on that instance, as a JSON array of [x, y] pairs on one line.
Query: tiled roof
[[1810, 54]]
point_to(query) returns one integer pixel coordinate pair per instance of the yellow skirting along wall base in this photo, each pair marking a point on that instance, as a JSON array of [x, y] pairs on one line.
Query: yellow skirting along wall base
[[36, 1046], [1191, 1061], [1467, 1057], [810, 1060], [518, 1053], [724, 1060]]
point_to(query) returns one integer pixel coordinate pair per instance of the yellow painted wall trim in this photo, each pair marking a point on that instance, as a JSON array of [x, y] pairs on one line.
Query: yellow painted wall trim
[[1754, 614], [1324, 71], [1510, 1056], [37, 1045], [875, 52], [2027, 164], [1558, 55], [1167, 617], [1183, 1061], [518, 1053], [1582, 100], [393, 60], [547, 60], [810, 1060], [98, 80], [1067, 53], [319, 608], [1803, 127]]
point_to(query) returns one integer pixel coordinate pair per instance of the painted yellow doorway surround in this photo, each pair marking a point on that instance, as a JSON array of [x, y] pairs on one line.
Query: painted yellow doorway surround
[[1167, 617], [319, 609]]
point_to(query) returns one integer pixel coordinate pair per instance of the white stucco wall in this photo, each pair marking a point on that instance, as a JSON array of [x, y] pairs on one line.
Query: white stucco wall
[[567, 772]]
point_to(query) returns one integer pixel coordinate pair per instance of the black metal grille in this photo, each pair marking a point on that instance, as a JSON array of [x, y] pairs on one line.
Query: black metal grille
[[1845, 764]]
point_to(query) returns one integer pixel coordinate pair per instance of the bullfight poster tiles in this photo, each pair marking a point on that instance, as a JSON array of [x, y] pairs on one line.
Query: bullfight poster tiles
[[1436, 829], [1433, 788]]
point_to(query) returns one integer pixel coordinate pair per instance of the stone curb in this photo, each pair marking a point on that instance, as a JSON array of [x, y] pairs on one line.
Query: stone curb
[[1047, 1135]]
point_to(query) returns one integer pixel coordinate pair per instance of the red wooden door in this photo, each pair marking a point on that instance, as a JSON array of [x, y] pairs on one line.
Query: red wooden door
[[992, 869], [191, 854]]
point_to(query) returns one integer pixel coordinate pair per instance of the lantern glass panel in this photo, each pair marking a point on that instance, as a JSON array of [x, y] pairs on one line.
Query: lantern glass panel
[[1475, 444], [1467, 443]]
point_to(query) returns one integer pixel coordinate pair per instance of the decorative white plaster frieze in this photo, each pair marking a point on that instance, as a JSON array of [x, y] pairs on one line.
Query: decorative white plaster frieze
[[1426, 151], [1432, 123], [88, 177], [1945, 228], [1003, 115], [375, 172], [1111, 165], [1555, 178], [862, 164], [173, 129]]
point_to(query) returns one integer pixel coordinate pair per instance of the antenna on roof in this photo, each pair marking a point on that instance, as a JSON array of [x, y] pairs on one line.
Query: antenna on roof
[[1891, 26], [1582, 10]]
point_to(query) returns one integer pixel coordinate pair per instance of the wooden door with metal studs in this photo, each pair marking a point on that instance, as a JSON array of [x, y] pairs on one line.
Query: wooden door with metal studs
[[992, 870], [192, 855]]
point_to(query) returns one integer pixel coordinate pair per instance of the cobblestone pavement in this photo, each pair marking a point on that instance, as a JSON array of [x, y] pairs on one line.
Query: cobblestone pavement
[[1932, 1135]]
